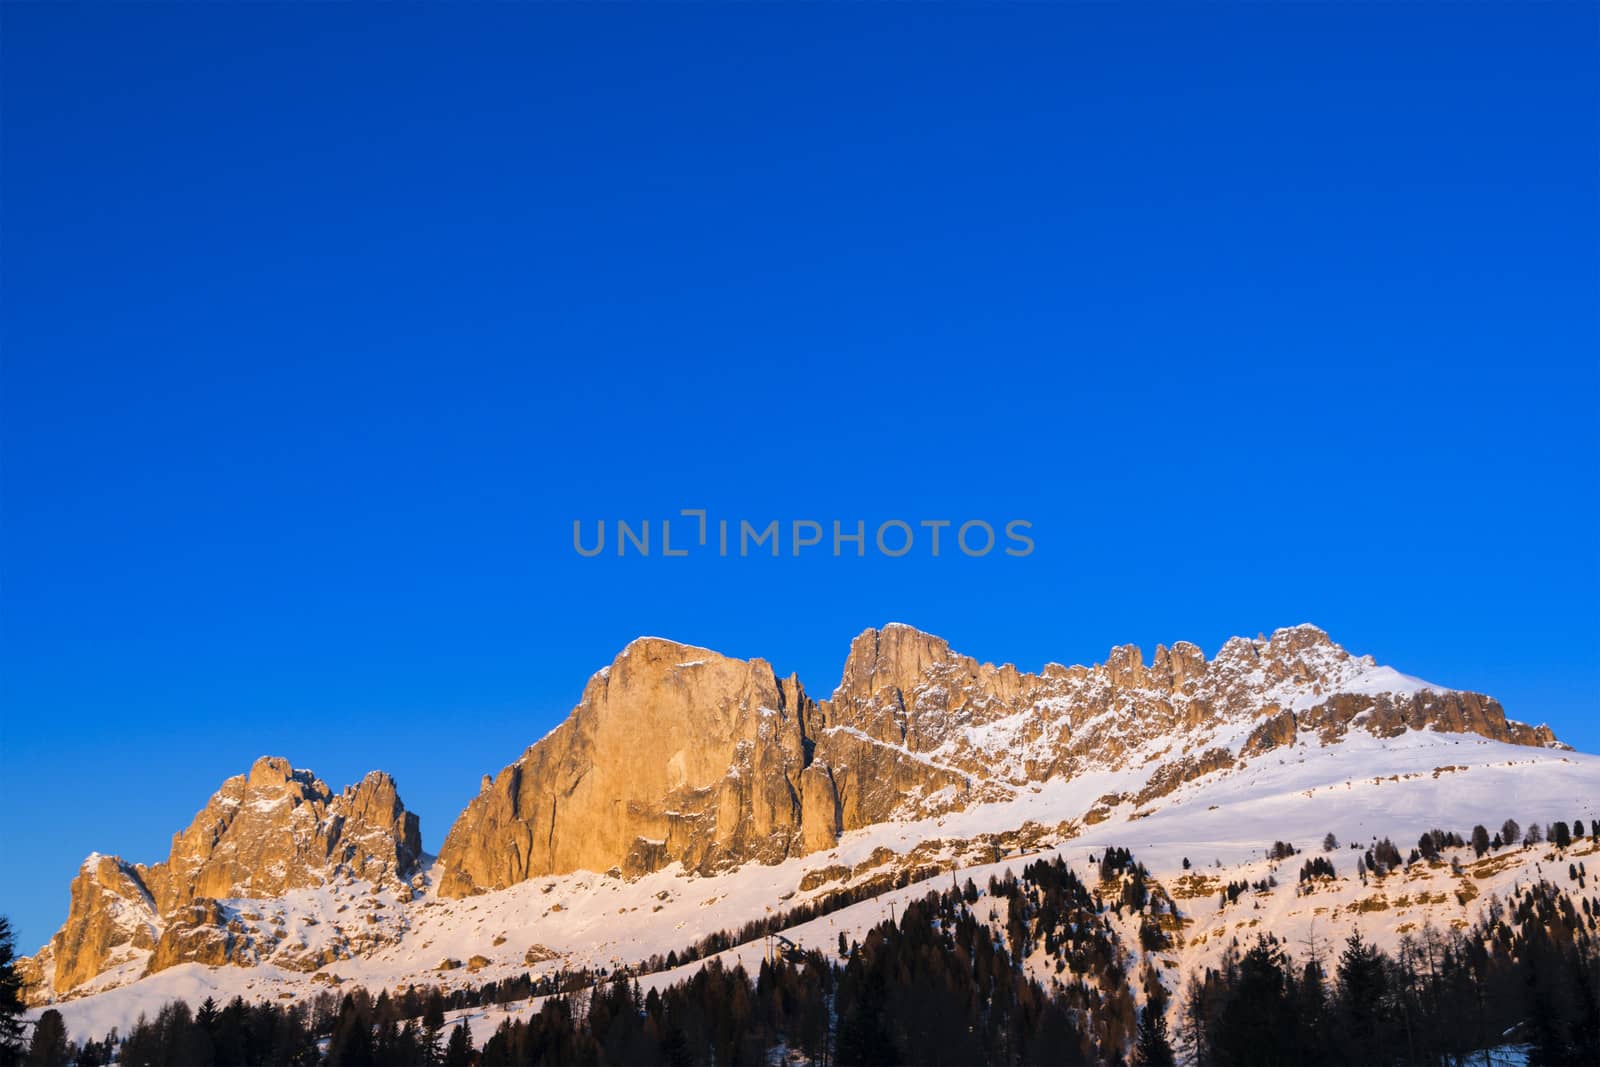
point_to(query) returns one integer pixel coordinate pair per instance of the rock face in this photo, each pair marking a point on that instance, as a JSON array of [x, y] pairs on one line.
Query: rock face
[[112, 919], [262, 834], [677, 754], [673, 753]]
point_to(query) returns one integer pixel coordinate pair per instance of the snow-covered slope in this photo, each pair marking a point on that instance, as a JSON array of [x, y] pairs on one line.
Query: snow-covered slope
[[1359, 787]]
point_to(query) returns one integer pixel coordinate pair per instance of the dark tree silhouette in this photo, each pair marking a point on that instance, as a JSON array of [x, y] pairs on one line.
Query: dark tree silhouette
[[49, 1045], [458, 1050], [11, 1006]]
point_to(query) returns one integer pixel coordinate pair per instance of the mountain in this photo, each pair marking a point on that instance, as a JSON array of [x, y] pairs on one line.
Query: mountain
[[261, 835], [690, 793], [678, 755]]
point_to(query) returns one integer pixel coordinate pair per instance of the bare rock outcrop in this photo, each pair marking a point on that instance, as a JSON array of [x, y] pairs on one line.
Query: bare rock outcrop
[[201, 931], [673, 754], [111, 917], [261, 834], [1392, 714]]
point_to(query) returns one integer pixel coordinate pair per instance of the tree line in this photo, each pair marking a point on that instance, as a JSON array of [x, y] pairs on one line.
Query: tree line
[[1526, 974], [1031, 969]]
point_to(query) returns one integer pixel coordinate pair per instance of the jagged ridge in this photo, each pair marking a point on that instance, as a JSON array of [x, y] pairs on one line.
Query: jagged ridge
[[678, 754]]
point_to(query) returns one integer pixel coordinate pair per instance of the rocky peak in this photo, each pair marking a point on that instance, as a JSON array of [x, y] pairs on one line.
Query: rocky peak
[[881, 672], [276, 773], [277, 828], [262, 833], [1124, 667], [1301, 653], [896, 656], [1175, 667], [378, 839], [674, 753], [111, 917]]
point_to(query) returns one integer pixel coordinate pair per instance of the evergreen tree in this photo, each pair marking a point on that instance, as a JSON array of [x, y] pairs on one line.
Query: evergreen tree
[[1427, 848], [409, 1047], [432, 1025], [351, 1044], [1256, 1023], [1480, 839], [863, 1038], [11, 1006], [1311, 1009], [1152, 1048], [232, 1038], [458, 1052], [1510, 832], [386, 1043], [49, 1045], [1363, 987]]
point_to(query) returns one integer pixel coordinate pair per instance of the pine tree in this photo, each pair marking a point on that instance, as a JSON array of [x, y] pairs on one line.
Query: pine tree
[[1363, 986], [206, 1016], [1312, 1005], [11, 1006], [1152, 1049], [1510, 832], [432, 1025], [1427, 848], [351, 1044], [1480, 839], [1255, 1024], [1330, 843], [409, 1047], [49, 1046], [458, 1052]]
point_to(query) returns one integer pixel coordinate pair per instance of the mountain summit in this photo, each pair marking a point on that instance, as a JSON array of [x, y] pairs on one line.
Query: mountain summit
[[261, 835], [676, 754]]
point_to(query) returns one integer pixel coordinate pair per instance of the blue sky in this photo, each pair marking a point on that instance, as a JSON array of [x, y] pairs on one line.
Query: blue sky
[[323, 323]]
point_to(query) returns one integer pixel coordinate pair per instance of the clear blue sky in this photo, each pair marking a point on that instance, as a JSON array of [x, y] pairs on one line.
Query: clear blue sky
[[322, 324]]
